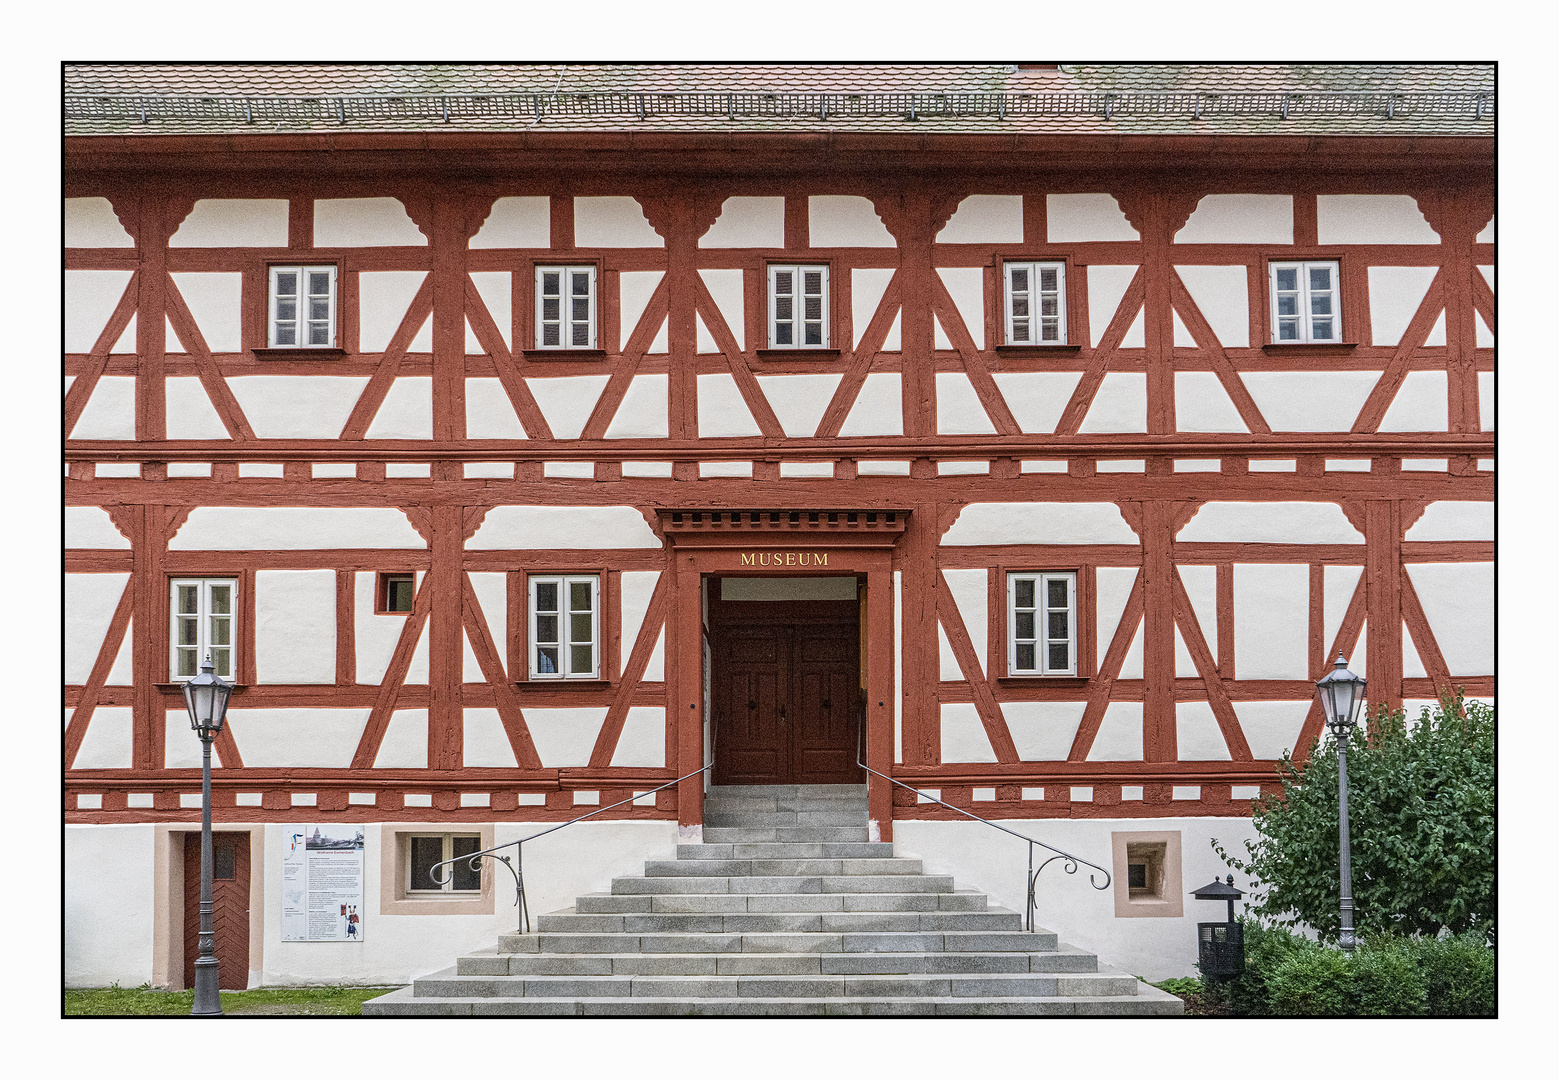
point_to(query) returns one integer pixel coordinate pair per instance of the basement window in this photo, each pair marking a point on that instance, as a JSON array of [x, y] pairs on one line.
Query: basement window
[[302, 313], [425, 852]]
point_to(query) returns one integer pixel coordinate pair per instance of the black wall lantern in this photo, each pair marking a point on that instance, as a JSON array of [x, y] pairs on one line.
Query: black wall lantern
[[1220, 945]]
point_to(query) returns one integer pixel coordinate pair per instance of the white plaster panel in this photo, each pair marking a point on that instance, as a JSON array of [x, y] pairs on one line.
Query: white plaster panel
[[92, 223], [1271, 727], [376, 222], [496, 288], [1437, 331], [1396, 292], [1421, 404], [1454, 520], [485, 743], [1271, 523], [89, 601], [725, 288], [1240, 219], [643, 413], [216, 302], [564, 737], [612, 221], [297, 738], [1337, 587], [968, 589], [190, 412], [1112, 588], [705, 337], [233, 223], [1131, 666], [492, 596], [655, 670], [417, 669], [109, 739], [947, 661], [295, 626], [985, 219], [567, 401], [297, 406], [1412, 663], [1081, 218], [122, 671], [90, 298], [537, 528], [1037, 398], [489, 413], [1120, 733], [882, 468], [878, 408], [1483, 337], [1043, 730], [1359, 663], [799, 401], [1371, 219], [126, 345], [1201, 586], [845, 221], [634, 289], [172, 343], [724, 468], [383, 298], [1222, 295], [407, 410], [405, 742], [643, 740], [1458, 600], [963, 468], [376, 635], [722, 411], [1121, 404], [1271, 620], [637, 588], [748, 221], [1135, 333], [517, 221], [867, 287], [940, 340], [1197, 734], [661, 341], [963, 736], [966, 285], [958, 408], [470, 667], [1039, 523], [108, 930], [1485, 401], [1202, 404], [294, 528], [1183, 338], [1310, 400], [91, 527], [1488, 275], [1185, 666], [1107, 286]]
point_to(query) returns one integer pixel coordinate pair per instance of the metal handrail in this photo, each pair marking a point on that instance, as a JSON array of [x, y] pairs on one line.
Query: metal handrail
[[517, 867], [1069, 864]]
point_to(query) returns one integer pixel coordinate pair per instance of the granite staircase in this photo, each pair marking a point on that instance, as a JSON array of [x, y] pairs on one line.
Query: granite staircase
[[785, 909]]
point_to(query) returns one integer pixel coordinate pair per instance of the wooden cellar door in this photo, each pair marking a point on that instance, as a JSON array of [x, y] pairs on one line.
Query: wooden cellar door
[[230, 900]]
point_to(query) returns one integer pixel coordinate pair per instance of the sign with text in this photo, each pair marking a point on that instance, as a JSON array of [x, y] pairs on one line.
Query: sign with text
[[784, 558], [322, 883]]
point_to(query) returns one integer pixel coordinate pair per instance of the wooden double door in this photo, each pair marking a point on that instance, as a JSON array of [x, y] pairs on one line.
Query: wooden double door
[[785, 692], [230, 906]]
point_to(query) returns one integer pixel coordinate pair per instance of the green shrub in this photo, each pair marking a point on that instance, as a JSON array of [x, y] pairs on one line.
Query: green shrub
[[1459, 975], [1386, 979], [1180, 987], [1265, 948], [1312, 982]]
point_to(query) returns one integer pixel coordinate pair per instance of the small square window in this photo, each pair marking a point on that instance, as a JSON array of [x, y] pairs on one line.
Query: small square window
[[1035, 302], [397, 593], [798, 307], [1305, 302], [1147, 872], [425, 853], [1042, 623], [565, 627], [565, 307], [203, 622], [302, 312]]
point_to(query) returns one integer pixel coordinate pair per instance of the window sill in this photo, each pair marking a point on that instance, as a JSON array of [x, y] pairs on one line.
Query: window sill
[[563, 684], [284, 353], [564, 354], [1047, 680], [1301, 346], [1038, 350], [798, 354], [177, 688]]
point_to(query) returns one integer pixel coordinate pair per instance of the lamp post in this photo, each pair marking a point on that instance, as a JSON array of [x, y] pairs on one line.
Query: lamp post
[[1342, 696], [205, 697]]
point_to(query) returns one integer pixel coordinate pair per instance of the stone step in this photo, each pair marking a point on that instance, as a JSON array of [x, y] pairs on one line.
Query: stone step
[[715, 922], [644, 903], [826, 883], [836, 941], [860, 850], [779, 819], [816, 791], [809, 801], [797, 834], [779, 867], [620, 964]]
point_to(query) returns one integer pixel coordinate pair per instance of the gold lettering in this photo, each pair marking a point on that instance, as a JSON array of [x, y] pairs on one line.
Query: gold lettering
[[763, 558], [747, 560], [820, 560], [790, 558], [801, 560]]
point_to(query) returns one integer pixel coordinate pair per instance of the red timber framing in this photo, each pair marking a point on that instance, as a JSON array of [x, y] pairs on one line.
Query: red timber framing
[[448, 186]]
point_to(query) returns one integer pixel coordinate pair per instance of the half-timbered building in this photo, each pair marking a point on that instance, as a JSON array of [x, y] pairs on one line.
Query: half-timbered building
[[518, 439]]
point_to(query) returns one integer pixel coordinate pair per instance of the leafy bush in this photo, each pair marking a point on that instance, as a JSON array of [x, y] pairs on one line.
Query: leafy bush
[[1266, 948], [1387, 981], [1311, 982], [1459, 973], [1421, 813]]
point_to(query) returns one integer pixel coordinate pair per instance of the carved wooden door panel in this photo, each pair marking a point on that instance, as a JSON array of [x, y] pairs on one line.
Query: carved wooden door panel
[[230, 900], [824, 687], [749, 696]]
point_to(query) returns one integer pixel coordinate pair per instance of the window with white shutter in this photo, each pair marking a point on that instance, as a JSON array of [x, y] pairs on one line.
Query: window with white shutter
[[1305, 304], [1042, 623], [798, 307], [302, 307], [1035, 298], [565, 307]]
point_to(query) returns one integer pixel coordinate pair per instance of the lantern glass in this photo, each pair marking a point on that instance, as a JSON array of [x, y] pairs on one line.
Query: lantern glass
[[1342, 697], [205, 699]]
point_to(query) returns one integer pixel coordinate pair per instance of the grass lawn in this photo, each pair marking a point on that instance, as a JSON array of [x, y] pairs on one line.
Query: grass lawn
[[269, 1001]]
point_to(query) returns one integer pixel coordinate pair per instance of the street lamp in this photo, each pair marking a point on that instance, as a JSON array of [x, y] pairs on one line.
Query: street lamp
[[205, 697], [1342, 696]]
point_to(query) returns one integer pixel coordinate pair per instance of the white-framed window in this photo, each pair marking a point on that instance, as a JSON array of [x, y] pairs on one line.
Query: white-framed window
[[798, 307], [565, 307], [1042, 623], [302, 307], [565, 624], [1305, 302], [424, 851], [203, 619], [1035, 302]]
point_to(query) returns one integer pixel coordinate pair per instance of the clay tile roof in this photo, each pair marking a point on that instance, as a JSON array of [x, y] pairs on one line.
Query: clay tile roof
[[1113, 99]]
